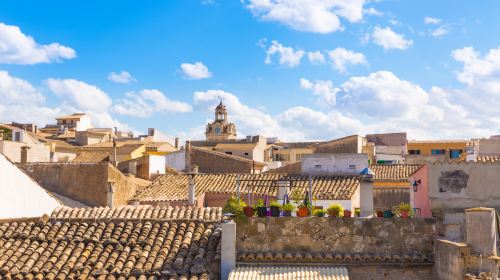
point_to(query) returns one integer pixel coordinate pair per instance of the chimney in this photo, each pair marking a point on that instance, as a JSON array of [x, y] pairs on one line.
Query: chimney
[[24, 154], [151, 132], [472, 151], [132, 167], [249, 139], [191, 190], [187, 157], [177, 143], [228, 248]]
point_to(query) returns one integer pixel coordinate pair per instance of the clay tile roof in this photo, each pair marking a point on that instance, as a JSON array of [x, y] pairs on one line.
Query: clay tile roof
[[108, 249], [139, 212], [289, 272], [129, 148], [487, 159], [393, 172], [92, 156], [171, 187]]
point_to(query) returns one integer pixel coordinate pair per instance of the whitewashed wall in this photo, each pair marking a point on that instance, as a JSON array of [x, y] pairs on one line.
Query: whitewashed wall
[[20, 196]]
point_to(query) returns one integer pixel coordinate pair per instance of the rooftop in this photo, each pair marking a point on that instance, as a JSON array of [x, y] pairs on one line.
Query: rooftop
[[102, 243], [393, 172], [289, 272], [171, 187]]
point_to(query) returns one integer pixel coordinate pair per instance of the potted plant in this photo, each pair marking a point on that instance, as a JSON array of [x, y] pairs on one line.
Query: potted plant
[[235, 207], [357, 212], [275, 208], [299, 200], [387, 213], [404, 210], [288, 208], [347, 213], [261, 208], [319, 213], [248, 211], [335, 210], [380, 214]]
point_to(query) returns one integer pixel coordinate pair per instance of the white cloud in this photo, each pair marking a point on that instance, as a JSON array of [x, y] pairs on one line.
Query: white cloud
[[195, 71], [21, 102], [373, 12], [19, 48], [80, 95], [324, 90], [389, 39], [147, 102], [440, 31], [288, 57], [123, 77], [479, 72], [394, 22], [432, 20], [316, 57], [340, 58], [318, 16]]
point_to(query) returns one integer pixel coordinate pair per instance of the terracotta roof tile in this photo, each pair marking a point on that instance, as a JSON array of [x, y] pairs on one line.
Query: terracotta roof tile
[[170, 187], [139, 212], [289, 272], [393, 172], [108, 249], [331, 257]]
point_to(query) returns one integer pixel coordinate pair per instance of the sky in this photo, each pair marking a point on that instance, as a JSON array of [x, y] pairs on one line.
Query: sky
[[293, 69]]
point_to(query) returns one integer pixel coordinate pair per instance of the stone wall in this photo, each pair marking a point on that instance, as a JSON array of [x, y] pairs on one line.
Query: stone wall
[[337, 235], [217, 162], [84, 182], [463, 185]]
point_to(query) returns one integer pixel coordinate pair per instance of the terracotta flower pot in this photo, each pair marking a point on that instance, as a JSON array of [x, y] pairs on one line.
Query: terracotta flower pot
[[333, 213], [404, 214], [302, 212], [262, 211], [275, 211], [248, 211], [287, 213], [380, 214], [347, 214]]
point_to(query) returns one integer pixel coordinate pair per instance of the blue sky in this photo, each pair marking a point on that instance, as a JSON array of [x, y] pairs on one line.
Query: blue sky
[[296, 69]]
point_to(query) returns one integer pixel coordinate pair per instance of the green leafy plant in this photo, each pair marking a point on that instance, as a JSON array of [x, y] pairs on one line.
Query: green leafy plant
[[235, 207], [288, 207], [297, 197], [404, 207], [335, 210], [357, 212], [274, 203], [260, 203], [319, 212]]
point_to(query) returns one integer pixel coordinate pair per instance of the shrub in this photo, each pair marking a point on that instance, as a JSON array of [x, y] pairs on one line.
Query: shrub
[[288, 207], [319, 212], [260, 203], [232, 206], [274, 203], [335, 210]]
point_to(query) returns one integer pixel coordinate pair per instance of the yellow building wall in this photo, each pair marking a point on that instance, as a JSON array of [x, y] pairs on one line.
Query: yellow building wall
[[427, 147]]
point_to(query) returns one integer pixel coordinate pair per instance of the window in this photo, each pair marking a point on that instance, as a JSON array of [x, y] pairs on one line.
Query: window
[[246, 154], [414, 152], [352, 166], [229, 153], [317, 166], [282, 157], [17, 136], [438, 152], [455, 153]]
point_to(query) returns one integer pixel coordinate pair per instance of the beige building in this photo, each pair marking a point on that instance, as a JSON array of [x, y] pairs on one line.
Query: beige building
[[21, 145], [220, 129]]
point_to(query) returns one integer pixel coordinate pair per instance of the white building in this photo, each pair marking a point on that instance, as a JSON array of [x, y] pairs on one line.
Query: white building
[[20, 196]]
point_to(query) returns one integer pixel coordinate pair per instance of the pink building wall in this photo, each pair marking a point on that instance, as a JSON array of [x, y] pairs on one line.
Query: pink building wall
[[420, 199]]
